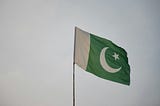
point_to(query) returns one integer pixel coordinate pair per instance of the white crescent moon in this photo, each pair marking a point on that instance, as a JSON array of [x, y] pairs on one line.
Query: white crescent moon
[[104, 64]]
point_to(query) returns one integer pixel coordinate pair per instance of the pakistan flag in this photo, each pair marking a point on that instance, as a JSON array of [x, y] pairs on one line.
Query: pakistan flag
[[101, 57]]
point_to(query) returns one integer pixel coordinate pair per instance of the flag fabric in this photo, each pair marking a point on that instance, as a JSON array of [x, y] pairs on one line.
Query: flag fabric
[[101, 57]]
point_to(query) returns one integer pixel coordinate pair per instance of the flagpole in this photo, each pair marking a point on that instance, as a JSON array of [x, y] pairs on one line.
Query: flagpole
[[73, 84], [74, 98]]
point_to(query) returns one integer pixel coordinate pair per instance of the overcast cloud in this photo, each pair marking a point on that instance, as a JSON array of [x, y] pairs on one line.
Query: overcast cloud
[[36, 51]]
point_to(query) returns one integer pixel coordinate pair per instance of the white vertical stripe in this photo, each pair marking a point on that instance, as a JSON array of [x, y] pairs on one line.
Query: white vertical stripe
[[82, 47]]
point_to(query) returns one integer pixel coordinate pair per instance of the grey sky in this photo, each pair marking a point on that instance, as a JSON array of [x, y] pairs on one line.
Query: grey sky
[[36, 48]]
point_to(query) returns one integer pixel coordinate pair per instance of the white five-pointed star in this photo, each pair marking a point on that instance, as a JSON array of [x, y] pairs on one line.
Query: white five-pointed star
[[116, 56]]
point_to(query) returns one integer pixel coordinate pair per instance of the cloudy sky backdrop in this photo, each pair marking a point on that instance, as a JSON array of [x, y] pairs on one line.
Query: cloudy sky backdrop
[[36, 51]]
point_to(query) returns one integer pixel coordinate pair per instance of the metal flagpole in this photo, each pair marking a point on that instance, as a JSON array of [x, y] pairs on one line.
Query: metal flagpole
[[74, 102], [74, 84]]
